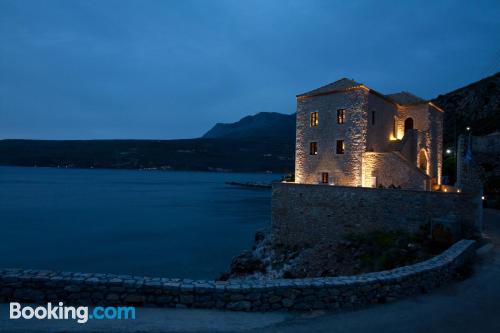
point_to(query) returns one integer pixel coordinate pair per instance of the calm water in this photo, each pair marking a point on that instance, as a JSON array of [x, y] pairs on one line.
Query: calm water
[[175, 224]]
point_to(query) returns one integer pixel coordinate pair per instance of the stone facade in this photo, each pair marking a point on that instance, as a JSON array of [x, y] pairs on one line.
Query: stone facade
[[336, 293], [427, 136], [304, 214], [392, 168], [373, 122], [344, 169]]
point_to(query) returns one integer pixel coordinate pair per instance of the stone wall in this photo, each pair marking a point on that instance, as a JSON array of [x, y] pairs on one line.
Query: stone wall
[[346, 292], [380, 133], [307, 214], [392, 169], [429, 121], [343, 169]]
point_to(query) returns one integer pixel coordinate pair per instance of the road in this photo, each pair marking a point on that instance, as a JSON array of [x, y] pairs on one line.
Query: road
[[472, 305]]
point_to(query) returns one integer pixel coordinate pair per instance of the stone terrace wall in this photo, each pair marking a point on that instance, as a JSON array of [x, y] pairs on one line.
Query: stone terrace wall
[[293, 294], [307, 214]]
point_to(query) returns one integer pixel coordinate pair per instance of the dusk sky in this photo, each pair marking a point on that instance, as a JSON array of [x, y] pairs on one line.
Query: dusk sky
[[172, 69]]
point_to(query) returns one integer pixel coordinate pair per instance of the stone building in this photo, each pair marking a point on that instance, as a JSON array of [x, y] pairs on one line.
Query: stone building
[[350, 135]]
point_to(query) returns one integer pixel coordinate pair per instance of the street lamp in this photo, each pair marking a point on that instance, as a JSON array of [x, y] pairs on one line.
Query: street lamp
[[467, 128], [448, 151]]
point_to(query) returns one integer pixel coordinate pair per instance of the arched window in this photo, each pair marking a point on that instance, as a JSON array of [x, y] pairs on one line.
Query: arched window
[[408, 124]]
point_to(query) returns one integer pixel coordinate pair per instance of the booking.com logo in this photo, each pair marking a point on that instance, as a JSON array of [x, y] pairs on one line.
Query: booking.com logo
[[61, 312]]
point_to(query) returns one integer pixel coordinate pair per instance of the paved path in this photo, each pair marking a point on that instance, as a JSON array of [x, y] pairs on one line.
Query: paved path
[[472, 305]]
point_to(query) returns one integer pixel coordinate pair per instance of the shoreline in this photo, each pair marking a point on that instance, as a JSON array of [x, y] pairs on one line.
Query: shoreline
[[141, 169]]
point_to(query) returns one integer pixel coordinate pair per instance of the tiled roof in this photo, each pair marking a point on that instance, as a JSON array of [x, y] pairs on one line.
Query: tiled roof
[[341, 84], [405, 97], [401, 98]]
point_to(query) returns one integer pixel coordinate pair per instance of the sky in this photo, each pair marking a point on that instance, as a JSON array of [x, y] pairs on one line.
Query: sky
[[172, 69]]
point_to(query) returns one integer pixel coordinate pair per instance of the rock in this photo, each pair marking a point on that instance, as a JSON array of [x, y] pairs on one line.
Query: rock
[[274, 299], [237, 297], [246, 263], [287, 302], [134, 298], [187, 299], [113, 297], [224, 276], [253, 296], [239, 306], [259, 237], [97, 295], [92, 280], [72, 289], [164, 299], [10, 278]]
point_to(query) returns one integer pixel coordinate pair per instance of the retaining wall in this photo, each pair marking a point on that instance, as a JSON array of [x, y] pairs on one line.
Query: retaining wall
[[312, 213], [285, 294]]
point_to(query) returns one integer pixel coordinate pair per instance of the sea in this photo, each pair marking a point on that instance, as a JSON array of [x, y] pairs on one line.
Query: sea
[[140, 222]]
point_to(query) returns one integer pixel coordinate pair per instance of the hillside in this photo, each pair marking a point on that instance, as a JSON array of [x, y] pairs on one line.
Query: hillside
[[476, 105], [269, 125], [192, 154]]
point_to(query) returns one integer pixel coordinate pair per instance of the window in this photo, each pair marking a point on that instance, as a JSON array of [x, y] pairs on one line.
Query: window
[[313, 148], [324, 177], [314, 119], [340, 116], [373, 117], [340, 146], [408, 124]]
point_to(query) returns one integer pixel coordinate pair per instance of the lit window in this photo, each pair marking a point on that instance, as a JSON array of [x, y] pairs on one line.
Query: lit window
[[314, 119], [313, 148], [373, 117], [324, 177], [340, 146], [340, 116]]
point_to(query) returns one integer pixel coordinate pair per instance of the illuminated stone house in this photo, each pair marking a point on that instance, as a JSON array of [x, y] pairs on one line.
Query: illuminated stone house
[[350, 135]]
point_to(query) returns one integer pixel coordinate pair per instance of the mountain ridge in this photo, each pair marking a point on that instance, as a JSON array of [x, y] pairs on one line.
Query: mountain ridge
[[260, 125], [476, 105]]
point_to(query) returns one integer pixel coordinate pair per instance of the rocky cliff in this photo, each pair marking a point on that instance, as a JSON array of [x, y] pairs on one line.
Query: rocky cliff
[[476, 105]]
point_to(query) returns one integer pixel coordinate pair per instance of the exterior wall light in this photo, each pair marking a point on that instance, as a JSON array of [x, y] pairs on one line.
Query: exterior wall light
[[483, 198], [468, 128], [448, 151]]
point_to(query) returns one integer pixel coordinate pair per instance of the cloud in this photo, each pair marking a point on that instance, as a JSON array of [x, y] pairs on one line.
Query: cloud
[[158, 69]]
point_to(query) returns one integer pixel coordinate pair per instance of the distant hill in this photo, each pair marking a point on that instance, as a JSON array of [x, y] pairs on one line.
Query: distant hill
[[263, 125], [476, 105], [244, 155]]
